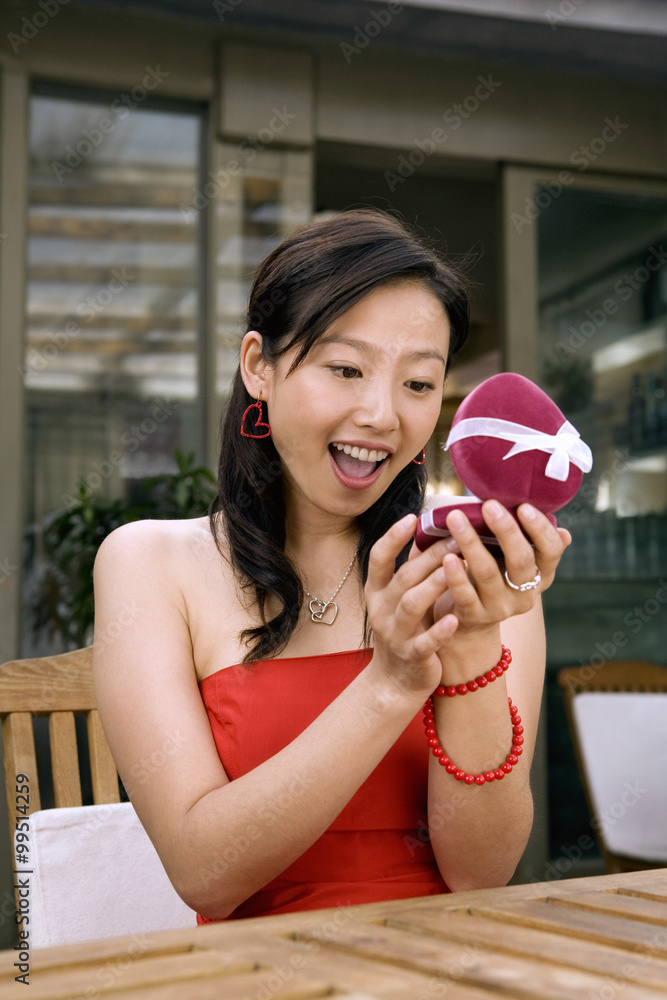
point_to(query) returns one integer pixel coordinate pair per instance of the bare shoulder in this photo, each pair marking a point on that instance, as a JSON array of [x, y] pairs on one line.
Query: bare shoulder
[[165, 550], [173, 578], [163, 538]]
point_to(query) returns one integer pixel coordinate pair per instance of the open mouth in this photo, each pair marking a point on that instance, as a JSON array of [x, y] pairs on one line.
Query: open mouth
[[357, 463]]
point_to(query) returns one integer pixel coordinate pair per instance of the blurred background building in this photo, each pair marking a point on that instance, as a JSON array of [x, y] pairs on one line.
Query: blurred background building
[[153, 152]]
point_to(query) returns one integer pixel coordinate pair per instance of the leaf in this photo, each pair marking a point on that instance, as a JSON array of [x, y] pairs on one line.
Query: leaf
[[63, 603]]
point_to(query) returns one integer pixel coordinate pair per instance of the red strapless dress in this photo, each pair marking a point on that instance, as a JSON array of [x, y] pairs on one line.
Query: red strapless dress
[[376, 849]]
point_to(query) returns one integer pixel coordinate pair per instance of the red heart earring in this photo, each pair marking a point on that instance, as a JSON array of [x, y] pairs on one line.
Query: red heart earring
[[258, 423], [422, 457]]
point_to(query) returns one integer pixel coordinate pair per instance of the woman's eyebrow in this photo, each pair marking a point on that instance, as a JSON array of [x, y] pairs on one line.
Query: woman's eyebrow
[[368, 348]]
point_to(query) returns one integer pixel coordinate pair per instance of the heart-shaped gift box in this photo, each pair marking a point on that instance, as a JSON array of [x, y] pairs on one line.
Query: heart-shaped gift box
[[510, 442]]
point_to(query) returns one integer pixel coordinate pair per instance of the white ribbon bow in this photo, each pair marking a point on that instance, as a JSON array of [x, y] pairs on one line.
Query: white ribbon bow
[[564, 447]]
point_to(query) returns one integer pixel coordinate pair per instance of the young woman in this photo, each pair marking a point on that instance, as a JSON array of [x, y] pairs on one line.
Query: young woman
[[263, 695]]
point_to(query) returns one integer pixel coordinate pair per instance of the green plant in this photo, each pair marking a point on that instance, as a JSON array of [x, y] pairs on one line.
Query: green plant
[[63, 605], [185, 493]]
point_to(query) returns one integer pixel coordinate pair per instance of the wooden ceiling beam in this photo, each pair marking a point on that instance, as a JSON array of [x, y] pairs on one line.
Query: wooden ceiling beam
[[84, 274], [139, 231]]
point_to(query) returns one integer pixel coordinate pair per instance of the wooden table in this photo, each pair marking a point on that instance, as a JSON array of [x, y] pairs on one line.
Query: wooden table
[[596, 938]]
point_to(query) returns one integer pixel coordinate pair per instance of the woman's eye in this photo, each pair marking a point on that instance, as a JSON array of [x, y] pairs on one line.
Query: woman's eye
[[345, 371], [421, 387]]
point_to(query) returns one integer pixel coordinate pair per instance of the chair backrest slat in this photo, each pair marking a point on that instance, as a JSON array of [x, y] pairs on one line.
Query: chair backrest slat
[[48, 684], [59, 687], [65, 760], [18, 743], [102, 766], [614, 675]]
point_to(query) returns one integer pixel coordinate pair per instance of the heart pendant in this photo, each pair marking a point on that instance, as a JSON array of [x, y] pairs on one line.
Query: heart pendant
[[317, 613]]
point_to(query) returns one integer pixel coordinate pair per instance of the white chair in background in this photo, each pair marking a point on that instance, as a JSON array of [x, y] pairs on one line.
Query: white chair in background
[[96, 874], [617, 713]]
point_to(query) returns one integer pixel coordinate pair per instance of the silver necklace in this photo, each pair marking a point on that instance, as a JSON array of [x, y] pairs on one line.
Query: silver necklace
[[318, 608]]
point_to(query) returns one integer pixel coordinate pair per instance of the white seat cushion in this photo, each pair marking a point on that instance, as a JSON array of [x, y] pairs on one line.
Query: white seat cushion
[[623, 740], [96, 874]]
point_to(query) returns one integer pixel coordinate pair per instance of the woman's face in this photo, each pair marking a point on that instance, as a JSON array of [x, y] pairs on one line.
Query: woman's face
[[363, 402]]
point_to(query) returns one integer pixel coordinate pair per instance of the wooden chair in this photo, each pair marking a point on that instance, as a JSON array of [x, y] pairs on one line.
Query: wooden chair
[[94, 871], [624, 677], [58, 687]]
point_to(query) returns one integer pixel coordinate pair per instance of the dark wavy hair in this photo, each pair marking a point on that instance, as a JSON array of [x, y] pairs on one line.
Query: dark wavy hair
[[308, 281]]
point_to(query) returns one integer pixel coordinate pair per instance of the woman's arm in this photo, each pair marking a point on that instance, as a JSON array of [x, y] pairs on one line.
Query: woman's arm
[[221, 841], [478, 833]]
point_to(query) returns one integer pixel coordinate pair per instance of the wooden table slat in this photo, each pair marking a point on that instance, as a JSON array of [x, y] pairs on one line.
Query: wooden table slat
[[85, 953], [245, 987], [616, 931], [653, 911], [352, 972], [515, 939], [126, 971], [471, 965], [643, 893]]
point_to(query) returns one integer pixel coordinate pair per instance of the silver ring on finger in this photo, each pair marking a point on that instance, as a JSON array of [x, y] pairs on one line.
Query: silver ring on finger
[[523, 587]]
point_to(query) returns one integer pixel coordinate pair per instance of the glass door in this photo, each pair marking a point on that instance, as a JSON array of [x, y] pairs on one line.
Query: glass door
[[586, 317], [601, 355], [113, 324]]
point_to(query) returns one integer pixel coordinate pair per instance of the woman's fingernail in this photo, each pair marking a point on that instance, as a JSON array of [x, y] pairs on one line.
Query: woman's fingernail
[[456, 520], [448, 623], [528, 512], [493, 508], [452, 545]]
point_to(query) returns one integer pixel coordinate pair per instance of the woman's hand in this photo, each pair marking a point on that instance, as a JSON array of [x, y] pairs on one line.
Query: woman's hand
[[398, 602], [480, 596]]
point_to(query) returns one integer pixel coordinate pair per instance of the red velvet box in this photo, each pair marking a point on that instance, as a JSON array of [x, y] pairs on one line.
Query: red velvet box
[[509, 441]]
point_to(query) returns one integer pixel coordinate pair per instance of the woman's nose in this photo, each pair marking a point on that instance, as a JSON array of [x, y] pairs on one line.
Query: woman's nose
[[377, 408]]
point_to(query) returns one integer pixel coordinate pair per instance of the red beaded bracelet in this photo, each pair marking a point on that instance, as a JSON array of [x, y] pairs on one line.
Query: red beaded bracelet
[[475, 779], [479, 682]]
